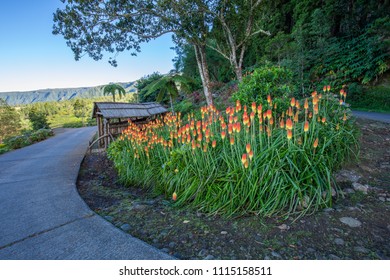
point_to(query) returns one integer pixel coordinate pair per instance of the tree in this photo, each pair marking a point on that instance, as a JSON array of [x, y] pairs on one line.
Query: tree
[[114, 89], [169, 85], [114, 26], [9, 121], [38, 119], [80, 109], [234, 27]]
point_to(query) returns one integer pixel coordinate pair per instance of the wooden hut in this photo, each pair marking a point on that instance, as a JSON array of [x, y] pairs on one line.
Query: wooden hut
[[112, 117]]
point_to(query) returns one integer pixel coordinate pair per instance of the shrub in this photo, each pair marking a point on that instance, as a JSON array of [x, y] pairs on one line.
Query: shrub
[[244, 160], [17, 142], [373, 98], [40, 135], [265, 81], [3, 148]]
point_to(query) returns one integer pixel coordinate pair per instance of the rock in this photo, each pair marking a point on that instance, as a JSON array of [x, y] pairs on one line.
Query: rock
[[276, 255], [351, 222], [349, 191], [339, 241], [172, 244], [203, 253], [347, 176], [223, 232], [125, 227], [382, 199], [138, 207], [266, 257], [360, 187], [186, 221], [209, 257], [310, 250], [165, 250], [109, 218], [328, 210], [333, 257], [361, 249], [284, 227], [164, 233], [388, 199]]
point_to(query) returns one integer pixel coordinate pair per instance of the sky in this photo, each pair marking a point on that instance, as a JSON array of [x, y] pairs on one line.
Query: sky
[[32, 58]]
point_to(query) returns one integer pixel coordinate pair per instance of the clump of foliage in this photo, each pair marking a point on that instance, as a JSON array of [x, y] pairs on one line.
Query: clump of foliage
[[28, 138], [9, 121], [264, 81], [38, 119], [243, 160], [373, 98]]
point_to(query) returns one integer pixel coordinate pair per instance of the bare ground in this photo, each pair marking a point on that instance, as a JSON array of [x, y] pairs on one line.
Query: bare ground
[[188, 234]]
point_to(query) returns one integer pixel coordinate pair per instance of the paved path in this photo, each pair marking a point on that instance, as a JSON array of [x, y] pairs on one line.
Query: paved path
[[383, 117], [42, 215]]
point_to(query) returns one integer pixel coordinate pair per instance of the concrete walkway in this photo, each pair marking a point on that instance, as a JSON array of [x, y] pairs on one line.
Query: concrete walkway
[[42, 215], [382, 117]]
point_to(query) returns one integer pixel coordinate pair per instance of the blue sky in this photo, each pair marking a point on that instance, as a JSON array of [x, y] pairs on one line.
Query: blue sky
[[32, 58]]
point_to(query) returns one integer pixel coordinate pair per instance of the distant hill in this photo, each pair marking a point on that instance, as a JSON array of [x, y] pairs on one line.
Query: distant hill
[[43, 95]]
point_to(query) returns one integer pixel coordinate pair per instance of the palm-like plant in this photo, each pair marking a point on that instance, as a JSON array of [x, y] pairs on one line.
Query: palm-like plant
[[114, 89], [169, 85]]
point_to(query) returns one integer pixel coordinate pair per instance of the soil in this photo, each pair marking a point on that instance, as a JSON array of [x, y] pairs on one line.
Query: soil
[[187, 234]]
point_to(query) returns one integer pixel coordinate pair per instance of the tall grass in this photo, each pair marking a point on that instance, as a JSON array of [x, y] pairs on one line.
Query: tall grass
[[245, 159]]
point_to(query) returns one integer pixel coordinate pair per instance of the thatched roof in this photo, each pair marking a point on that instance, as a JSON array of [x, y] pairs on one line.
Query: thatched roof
[[111, 110]]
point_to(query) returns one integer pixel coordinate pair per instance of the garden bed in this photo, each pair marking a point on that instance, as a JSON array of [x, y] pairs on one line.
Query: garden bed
[[356, 227]]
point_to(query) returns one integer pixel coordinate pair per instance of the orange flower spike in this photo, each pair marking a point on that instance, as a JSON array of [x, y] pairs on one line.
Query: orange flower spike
[[214, 144], [231, 119], [289, 124], [235, 119], [324, 89], [207, 133], [328, 88], [250, 154], [238, 128], [269, 113], [292, 103], [344, 117], [323, 120], [231, 140], [259, 109], [315, 144], [244, 158], [248, 148], [238, 106], [223, 135], [271, 121], [230, 128], [341, 102], [289, 134], [246, 164], [174, 196], [314, 93], [205, 148], [253, 107], [296, 117], [269, 100], [315, 109], [281, 124], [252, 116], [245, 108], [306, 106], [306, 126]]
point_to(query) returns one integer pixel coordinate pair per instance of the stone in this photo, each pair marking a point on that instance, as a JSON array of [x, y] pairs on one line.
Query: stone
[[351, 222], [276, 255], [284, 227], [382, 199], [347, 176], [172, 244], [223, 232], [209, 257], [361, 249], [339, 241], [333, 257], [165, 250], [203, 253], [109, 218], [360, 187], [349, 191], [310, 250], [125, 227], [138, 207]]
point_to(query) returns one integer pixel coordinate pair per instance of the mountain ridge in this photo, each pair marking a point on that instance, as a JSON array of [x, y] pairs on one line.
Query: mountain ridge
[[58, 94]]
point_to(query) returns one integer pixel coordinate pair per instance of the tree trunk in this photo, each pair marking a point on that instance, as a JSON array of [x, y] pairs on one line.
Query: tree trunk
[[200, 54]]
